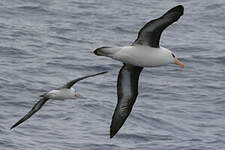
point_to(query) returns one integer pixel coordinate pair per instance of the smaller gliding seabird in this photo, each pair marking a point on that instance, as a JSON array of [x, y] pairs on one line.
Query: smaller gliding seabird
[[65, 92]]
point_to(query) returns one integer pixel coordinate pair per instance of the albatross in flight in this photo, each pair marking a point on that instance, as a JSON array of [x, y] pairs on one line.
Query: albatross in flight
[[65, 92], [144, 52]]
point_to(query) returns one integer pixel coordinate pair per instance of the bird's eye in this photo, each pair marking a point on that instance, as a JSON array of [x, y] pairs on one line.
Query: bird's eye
[[173, 55]]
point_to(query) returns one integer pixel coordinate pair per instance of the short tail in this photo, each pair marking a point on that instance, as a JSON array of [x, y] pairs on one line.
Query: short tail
[[106, 51], [100, 51]]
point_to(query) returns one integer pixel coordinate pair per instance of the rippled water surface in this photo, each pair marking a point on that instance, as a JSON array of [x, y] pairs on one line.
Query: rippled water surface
[[45, 43]]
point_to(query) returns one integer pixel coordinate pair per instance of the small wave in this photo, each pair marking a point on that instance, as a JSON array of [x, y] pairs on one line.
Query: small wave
[[89, 146], [217, 59], [14, 52], [33, 9], [136, 137], [64, 39], [122, 29], [214, 6]]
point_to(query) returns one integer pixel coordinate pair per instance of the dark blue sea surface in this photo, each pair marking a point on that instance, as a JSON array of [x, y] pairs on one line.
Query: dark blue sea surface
[[46, 43]]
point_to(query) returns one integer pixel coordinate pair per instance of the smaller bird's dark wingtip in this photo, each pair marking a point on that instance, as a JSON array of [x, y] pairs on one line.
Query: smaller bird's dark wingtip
[[104, 72], [11, 127]]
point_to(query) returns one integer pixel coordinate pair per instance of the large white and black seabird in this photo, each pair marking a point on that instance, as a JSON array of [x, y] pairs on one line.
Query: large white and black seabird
[[64, 92], [144, 52]]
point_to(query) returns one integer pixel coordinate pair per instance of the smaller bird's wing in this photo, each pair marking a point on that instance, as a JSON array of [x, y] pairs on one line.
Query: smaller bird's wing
[[35, 108], [71, 83], [127, 92], [151, 32]]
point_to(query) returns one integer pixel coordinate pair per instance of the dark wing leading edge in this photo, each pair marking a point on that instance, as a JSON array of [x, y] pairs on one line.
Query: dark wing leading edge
[[71, 83], [127, 91], [151, 32], [35, 108]]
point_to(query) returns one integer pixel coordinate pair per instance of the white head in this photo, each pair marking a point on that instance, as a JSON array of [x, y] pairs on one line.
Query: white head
[[169, 57]]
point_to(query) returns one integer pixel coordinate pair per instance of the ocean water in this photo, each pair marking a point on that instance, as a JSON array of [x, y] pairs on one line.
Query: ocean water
[[46, 43]]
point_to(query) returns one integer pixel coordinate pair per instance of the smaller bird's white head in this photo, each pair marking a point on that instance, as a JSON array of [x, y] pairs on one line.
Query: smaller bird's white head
[[77, 95], [74, 93]]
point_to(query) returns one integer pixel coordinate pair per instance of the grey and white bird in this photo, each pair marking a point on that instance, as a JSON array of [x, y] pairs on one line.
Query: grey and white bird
[[64, 92], [144, 52]]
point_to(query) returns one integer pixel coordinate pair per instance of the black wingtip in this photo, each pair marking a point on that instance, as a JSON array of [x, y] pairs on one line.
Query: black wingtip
[[100, 73], [13, 126], [112, 132], [111, 136], [103, 72], [16, 124], [116, 124], [175, 12], [179, 8]]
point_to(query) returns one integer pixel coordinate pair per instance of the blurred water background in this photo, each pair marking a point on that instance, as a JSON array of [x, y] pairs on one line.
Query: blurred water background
[[45, 43]]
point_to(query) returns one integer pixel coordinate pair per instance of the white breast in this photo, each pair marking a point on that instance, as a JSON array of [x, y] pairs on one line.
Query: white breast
[[62, 94], [143, 56]]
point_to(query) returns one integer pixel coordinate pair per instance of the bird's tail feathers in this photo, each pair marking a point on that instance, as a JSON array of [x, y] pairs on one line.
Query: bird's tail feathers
[[106, 51]]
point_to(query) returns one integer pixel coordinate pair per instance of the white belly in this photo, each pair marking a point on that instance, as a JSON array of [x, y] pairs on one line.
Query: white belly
[[143, 56], [62, 94]]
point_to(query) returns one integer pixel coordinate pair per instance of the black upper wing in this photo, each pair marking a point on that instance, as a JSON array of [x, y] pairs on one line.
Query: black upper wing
[[127, 91], [35, 108], [151, 32], [71, 83]]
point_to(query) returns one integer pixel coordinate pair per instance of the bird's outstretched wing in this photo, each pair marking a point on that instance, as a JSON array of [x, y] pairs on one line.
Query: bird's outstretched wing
[[127, 91], [151, 32], [71, 83], [35, 108]]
